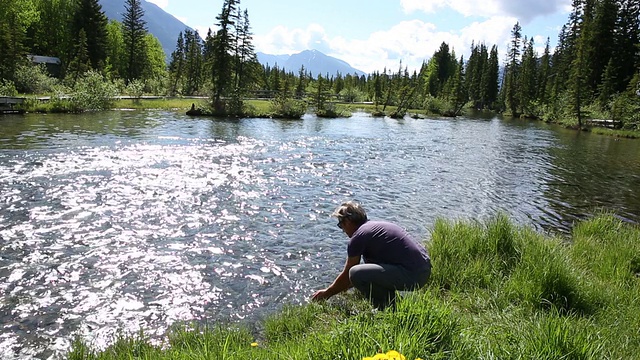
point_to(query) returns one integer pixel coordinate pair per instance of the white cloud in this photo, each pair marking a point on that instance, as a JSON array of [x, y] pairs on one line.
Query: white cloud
[[203, 30], [523, 10], [539, 43], [161, 3], [282, 40], [411, 42]]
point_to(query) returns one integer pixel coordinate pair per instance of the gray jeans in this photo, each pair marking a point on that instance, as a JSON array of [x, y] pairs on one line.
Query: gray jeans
[[379, 282]]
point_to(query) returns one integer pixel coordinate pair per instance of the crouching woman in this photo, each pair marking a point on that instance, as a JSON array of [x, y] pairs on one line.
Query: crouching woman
[[382, 258]]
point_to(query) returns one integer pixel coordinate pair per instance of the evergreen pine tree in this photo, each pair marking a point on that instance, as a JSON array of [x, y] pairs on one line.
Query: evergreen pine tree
[[90, 18], [193, 62], [50, 35], [458, 92], [527, 85], [207, 58], [542, 94], [576, 86], [626, 39], [222, 56], [321, 95], [491, 79], [176, 64], [275, 82], [559, 68], [607, 87], [300, 85], [81, 61], [600, 44], [134, 30], [15, 18], [511, 71], [566, 49], [475, 72], [246, 53]]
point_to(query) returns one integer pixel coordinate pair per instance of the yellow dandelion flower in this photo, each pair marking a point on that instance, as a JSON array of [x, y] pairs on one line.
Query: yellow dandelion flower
[[394, 355], [367, 358], [419, 359], [254, 344], [381, 357]]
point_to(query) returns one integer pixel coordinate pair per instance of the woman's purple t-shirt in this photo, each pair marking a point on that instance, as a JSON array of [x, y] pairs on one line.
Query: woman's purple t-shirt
[[382, 242]]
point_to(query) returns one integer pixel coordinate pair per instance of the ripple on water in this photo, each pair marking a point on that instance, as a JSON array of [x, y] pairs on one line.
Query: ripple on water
[[219, 220]]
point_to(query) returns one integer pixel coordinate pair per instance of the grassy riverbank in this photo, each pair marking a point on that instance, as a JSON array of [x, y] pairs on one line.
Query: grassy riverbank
[[497, 291], [164, 103], [263, 109], [630, 134], [256, 107]]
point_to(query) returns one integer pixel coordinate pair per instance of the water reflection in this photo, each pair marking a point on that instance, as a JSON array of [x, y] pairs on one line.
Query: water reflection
[[141, 219], [58, 130], [595, 173]]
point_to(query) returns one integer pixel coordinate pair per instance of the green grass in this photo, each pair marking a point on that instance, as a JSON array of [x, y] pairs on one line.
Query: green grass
[[498, 291], [255, 107], [259, 107], [631, 134], [169, 103], [264, 109]]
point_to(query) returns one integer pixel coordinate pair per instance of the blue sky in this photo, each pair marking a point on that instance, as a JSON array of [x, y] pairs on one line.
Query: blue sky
[[371, 35]]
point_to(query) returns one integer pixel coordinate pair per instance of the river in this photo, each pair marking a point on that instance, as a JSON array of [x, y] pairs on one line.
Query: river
[[129, 220]]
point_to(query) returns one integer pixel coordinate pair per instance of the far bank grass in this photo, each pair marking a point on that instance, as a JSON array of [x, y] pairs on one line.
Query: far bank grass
[[630, 134], [497, 291], [165, 103], [263, 109], [259, 108]]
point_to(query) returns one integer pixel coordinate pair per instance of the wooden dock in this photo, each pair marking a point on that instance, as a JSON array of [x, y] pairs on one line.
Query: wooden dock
[[608, 123], [8, 103]]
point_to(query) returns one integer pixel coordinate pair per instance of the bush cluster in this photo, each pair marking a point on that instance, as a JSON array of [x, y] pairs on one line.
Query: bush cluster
[[287, 107], [7, 88]]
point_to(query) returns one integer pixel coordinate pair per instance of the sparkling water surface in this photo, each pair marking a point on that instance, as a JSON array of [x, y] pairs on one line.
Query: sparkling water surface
[[122, 221]]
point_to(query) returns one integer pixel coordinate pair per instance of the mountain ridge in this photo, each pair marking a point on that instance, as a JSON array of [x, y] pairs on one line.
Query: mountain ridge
[[160, 23], [167, 27], [314, 62]]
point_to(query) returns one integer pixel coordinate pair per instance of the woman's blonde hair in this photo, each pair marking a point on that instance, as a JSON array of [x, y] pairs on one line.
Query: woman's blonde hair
[[351, 211]]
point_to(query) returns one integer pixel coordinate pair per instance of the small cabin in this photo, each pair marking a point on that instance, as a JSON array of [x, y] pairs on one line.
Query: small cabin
[[53, 64]]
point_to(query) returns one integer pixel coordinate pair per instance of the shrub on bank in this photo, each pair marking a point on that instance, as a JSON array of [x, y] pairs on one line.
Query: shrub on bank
[[332, 111], [34, 79], [626, 108], [7, 88], [436, 105], [287, 107], [93, 92]]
